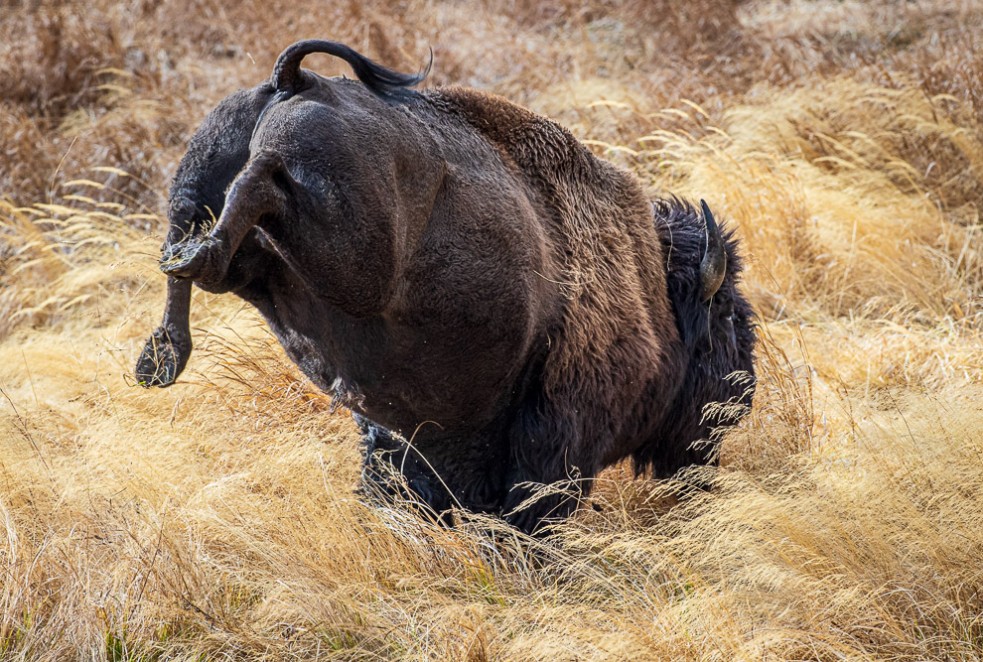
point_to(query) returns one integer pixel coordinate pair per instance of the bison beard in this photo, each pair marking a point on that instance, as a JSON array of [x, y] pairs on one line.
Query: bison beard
[[510, 310]]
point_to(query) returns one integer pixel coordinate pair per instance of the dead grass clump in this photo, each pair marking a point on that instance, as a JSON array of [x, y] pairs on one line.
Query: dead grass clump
[[684, 26], [55, 256], [254, 378], [783, 423], [51, 56], [909, 137], [22, 135], [82, 89], [947, 67], [139, 135], [868, 355], [895, 256], [30, 257], [845, 555]]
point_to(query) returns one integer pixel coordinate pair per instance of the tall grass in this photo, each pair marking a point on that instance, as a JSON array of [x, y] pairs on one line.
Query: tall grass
[[217, 519]]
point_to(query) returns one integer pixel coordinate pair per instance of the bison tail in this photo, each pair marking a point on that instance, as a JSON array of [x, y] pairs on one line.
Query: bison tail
[[287, 77]]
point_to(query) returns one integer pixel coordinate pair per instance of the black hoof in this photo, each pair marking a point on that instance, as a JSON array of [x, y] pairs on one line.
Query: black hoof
[[162, 360], [199, 261]]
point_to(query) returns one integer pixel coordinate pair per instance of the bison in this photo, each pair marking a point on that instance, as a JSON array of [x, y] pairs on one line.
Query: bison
[[500, 308]]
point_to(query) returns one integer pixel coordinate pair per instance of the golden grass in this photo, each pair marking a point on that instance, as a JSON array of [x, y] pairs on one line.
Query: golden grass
[[217, 519]]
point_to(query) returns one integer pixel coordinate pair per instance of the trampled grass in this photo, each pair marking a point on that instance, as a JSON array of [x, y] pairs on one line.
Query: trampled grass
[[217, 519]]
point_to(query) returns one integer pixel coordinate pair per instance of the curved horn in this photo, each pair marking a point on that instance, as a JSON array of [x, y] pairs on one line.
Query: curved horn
[[713, 267], [287, 77]]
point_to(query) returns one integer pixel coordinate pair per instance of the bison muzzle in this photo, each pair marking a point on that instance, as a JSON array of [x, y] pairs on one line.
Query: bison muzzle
[[502, 309]]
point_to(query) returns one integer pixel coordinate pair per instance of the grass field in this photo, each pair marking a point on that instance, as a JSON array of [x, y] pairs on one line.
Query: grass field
[[216, 519]]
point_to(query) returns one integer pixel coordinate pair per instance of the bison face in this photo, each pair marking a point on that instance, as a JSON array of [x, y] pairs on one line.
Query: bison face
[[716, 329], [722, 351]]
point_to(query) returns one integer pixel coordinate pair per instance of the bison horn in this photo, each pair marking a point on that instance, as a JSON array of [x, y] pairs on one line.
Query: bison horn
[[713, 268]]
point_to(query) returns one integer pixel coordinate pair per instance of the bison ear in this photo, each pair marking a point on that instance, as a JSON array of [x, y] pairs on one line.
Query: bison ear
[[713, 268]]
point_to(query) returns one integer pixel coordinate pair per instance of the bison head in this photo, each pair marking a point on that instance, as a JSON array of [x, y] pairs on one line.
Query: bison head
[[716, 329]]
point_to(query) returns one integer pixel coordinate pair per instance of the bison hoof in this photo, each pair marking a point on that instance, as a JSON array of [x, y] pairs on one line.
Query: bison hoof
[[198, 261], [162, 360]]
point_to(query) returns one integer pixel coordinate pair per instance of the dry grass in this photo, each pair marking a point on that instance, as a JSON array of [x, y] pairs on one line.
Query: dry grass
[[217, 519]]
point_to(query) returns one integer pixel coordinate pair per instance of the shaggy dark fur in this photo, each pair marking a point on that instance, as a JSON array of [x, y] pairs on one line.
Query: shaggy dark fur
[[719, 339], [493, 301]]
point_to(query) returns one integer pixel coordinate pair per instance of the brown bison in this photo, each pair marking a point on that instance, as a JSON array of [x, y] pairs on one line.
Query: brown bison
[[500, 308]]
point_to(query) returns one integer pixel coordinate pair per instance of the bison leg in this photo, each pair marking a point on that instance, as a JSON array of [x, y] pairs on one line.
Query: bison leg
[[440, 472], [536, 498], [253, 195], [392, 470], [167, 351], [549, 477]]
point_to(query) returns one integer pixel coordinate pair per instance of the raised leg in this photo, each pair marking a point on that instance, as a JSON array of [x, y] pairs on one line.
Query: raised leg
[[167, 351], [253, 195]]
